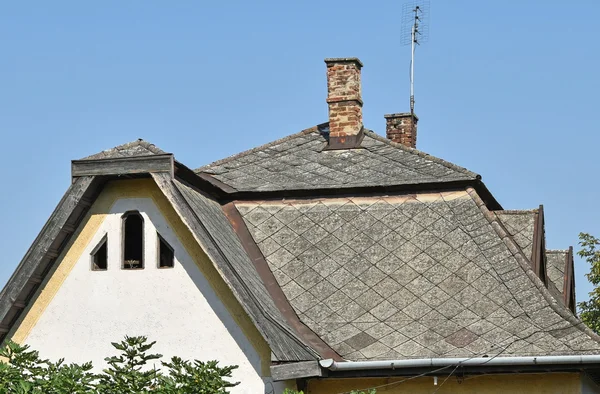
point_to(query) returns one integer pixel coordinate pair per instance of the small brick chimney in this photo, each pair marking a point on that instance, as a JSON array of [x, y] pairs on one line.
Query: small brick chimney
[[345, 103], [402, 128]]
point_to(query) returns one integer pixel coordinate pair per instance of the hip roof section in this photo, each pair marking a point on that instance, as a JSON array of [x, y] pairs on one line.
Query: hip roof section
[[411, 276], [300, 162]]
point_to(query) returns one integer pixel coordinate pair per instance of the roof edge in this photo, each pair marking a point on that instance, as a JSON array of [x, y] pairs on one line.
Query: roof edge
[[272, 286], [179, 201], [258, 148], [420, 153], [517, 211], [516, 251]]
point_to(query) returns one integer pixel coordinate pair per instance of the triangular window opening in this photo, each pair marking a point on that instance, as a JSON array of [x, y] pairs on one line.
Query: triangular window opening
[[100, 256], [133, 241], [166, 254]]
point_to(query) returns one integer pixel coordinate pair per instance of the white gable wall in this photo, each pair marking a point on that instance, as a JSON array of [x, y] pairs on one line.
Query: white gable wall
[[174, 306]]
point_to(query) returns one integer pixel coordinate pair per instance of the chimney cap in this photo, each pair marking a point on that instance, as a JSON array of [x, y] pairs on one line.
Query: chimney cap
[[356, 60], [400, 115]]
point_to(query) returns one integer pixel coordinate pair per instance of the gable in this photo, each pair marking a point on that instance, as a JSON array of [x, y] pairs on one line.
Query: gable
[[188, 309]]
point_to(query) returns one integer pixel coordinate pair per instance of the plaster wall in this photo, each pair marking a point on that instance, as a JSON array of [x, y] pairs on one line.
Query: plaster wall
[[185, 309], [555, 383]]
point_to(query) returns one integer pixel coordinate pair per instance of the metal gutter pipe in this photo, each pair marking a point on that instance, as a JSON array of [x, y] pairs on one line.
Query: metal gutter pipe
[[442, 362]]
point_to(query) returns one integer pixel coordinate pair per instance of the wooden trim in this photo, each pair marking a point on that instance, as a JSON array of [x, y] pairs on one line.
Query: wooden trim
[[202, 181], [569, 282], [261, 319], [270, 282], [538, 252], [124, 166], [298, 370], [217, 183]]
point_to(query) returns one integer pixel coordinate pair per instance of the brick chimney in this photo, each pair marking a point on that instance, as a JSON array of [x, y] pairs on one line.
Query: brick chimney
[[345, 103], [402, 128]]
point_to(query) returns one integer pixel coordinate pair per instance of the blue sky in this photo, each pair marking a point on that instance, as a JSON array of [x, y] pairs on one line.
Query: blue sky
[[508, 89]]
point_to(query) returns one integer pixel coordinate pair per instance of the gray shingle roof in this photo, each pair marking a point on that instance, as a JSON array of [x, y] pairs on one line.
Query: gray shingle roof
[[520, 225], [405, 276], [555, 267], [298, 162], [134, 148]]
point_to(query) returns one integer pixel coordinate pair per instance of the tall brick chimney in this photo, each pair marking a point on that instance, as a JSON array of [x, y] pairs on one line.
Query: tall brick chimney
[[345, 103], [402, 128]]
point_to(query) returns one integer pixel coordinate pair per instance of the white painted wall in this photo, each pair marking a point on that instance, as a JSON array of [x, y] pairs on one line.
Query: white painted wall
[[176, 307]]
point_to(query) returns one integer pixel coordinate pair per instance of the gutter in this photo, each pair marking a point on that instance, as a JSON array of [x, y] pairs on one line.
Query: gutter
[[446, 362]]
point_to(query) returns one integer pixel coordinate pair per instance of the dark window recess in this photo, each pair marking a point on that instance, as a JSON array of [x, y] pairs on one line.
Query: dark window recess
[[133, 243], [100, 256], [166, 255]]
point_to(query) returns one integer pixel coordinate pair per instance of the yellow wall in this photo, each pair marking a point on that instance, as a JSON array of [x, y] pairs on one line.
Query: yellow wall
[[139, 188], [563, 383]]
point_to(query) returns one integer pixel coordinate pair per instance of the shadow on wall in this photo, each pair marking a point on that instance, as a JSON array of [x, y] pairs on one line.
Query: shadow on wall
[[221, 311]]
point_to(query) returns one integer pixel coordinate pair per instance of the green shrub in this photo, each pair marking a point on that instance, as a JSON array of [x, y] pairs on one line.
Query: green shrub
[[129, 372]]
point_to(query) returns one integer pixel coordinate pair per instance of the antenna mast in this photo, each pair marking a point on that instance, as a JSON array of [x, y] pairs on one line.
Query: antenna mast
[[415, 30]]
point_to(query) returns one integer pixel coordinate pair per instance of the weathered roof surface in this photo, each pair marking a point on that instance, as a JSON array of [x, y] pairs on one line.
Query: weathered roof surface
[[298, 162], [212, 229], [134, 148], [431, 275], [520, 225], [555, 267]]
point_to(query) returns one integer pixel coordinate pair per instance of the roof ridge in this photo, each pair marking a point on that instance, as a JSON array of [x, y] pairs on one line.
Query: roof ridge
[[258, 148], [516, 211], [420, 153], [522, 260], [128, 145]]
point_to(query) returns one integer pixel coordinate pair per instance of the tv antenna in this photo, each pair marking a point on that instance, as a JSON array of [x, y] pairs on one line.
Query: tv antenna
[[415, 31]]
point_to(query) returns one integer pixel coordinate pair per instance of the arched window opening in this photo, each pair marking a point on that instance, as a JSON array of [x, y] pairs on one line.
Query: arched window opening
[[166, 254], [133, 241], [100, 255]]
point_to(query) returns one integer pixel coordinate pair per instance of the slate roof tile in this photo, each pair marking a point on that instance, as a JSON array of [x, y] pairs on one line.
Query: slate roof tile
[[555, 267], [299, 162], [130, 149], [520, 225], [413, 276]]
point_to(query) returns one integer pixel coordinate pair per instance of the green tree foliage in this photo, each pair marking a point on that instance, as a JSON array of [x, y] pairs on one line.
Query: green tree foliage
[[134, 370], [589, 311]]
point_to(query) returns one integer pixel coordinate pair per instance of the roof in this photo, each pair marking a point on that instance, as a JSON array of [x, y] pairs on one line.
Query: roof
[[556, 261], [401, 274], [520, 224], [299, 162], [411, 276], [208, 223], [131, 149]]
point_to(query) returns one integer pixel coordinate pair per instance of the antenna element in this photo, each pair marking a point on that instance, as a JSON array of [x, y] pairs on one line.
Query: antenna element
[[415, 31]]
